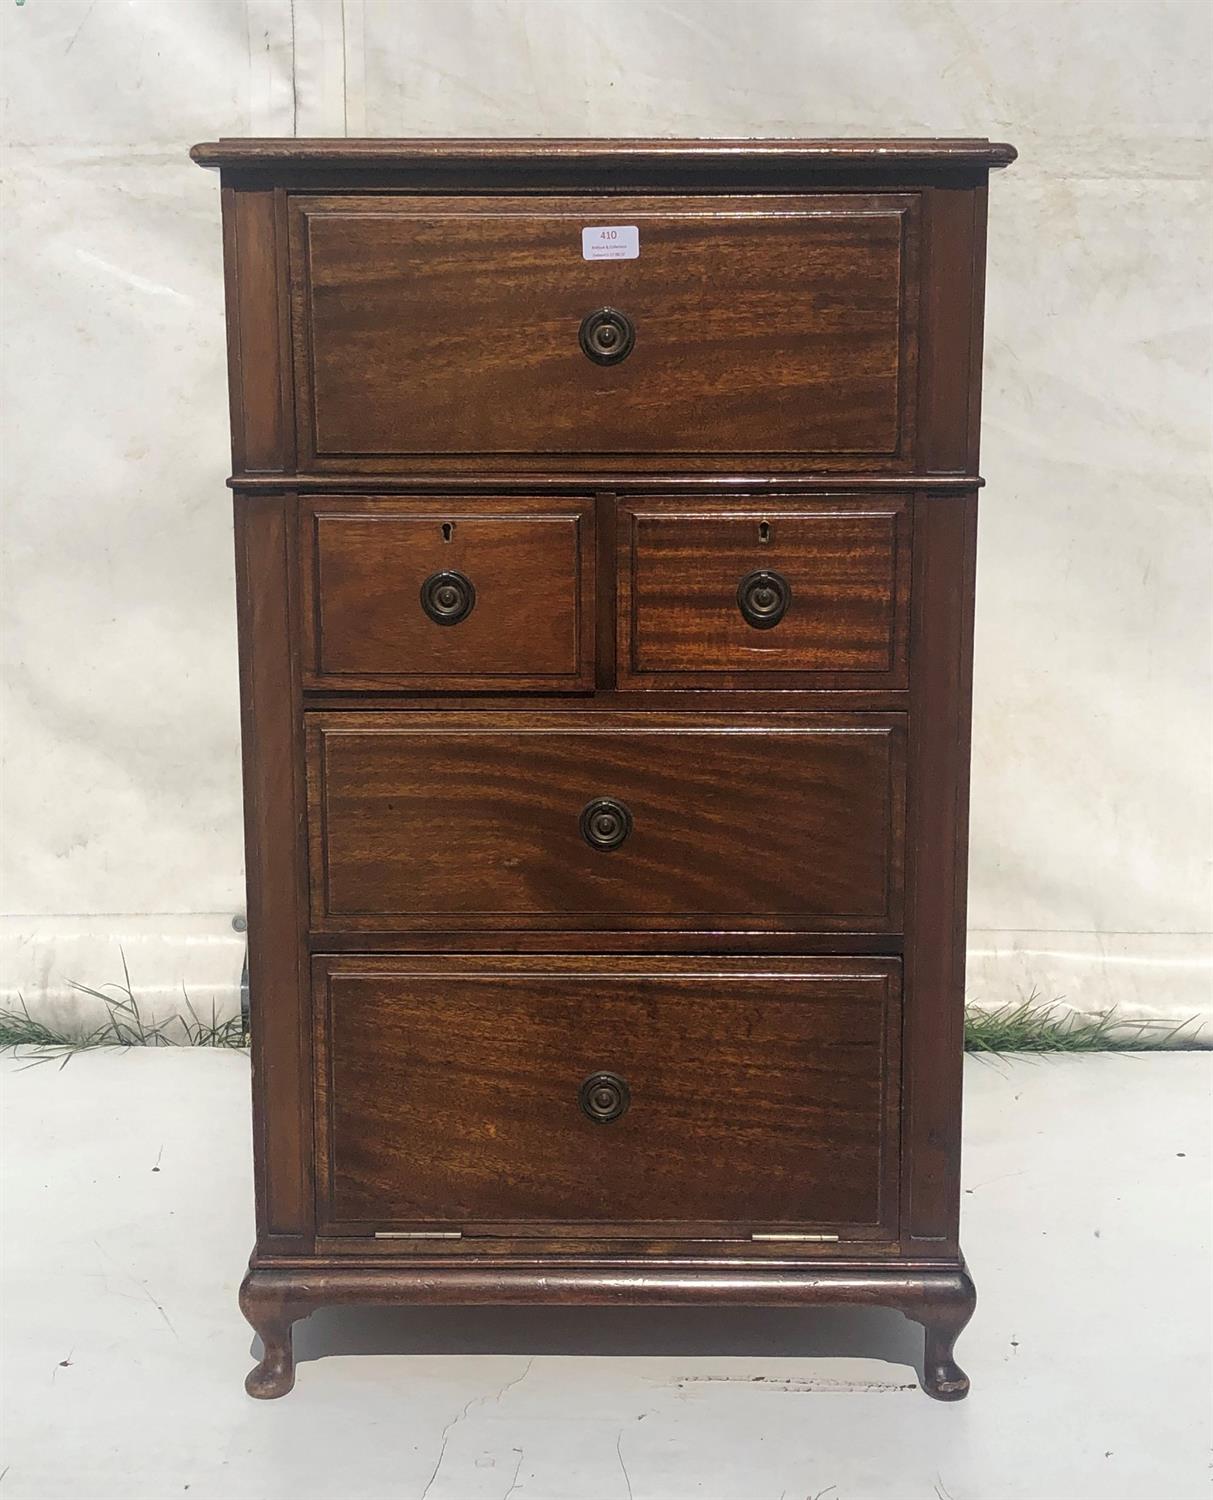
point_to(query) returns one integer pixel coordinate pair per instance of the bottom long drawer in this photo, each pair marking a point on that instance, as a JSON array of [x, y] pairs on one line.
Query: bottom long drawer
[[674, 1098]]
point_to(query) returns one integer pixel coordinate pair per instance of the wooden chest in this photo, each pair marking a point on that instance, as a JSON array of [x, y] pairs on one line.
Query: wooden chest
[[605, 519]]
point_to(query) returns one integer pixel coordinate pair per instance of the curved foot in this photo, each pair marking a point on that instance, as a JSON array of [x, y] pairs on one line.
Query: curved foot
[[275, 1375], [271, 1317], [943, 1322], [942, 1377]]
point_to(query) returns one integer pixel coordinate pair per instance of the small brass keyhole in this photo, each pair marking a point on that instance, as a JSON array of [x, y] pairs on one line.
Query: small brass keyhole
[[448, 530]]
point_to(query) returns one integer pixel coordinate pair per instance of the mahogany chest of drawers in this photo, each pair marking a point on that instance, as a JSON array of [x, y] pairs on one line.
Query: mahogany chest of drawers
[[605, 521]]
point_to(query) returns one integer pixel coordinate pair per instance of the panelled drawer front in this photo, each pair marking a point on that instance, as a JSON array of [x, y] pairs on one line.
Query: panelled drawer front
[[448, 593], [483, 821], [763, 593], [430, 328], [761, 1096]]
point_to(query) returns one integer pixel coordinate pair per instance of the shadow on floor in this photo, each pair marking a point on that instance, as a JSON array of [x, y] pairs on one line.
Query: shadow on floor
[[629, 1332]]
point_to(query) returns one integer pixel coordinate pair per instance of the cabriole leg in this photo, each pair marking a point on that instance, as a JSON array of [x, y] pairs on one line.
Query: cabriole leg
[[943, 1322], [271, 1316]]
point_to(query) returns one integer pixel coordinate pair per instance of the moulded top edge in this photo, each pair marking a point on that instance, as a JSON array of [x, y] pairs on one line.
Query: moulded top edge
[[735, 154]]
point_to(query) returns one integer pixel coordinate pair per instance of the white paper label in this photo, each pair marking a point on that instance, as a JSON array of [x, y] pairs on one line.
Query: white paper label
[[610, 242]]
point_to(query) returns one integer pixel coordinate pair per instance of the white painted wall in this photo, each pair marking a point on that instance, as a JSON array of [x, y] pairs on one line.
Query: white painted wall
[[1091, 812]]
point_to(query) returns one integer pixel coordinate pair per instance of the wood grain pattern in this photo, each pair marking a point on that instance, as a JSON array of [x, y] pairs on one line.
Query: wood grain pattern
[[259, 380], [449, 1094], [739, 936], [437, 955], [945, 551], [277, 898], [942, 1299], [468, 157], [363, 562], [680, 564], [425, 328], [608, 700], [417, 819], [578, 477], [953, 283]]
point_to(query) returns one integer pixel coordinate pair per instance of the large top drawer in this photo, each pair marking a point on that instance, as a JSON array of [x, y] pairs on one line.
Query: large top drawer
[[761, 326]]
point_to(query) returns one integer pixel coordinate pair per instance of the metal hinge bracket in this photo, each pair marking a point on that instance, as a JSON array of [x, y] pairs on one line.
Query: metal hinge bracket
[[419, 1234], [812, 1239]]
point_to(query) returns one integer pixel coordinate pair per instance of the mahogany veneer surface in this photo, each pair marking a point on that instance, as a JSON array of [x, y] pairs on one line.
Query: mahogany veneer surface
[[364, 561], [846, 561], [477, 816], [447, 1090], [439, 326], [606, 712]]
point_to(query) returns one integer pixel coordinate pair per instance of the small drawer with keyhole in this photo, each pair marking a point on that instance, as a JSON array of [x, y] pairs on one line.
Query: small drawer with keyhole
[[447, 594], [764, 592]]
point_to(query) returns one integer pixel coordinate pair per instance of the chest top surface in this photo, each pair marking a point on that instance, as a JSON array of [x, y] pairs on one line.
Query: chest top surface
[[838, 153]]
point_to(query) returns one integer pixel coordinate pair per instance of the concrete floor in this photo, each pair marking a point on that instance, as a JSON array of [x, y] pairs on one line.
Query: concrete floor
[[1087, 1221]]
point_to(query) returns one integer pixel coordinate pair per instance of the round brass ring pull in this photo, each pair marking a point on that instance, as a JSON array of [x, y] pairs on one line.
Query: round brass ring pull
[[763, 599], [607, 336], [604, 1097], [448, 597], [605, 823]]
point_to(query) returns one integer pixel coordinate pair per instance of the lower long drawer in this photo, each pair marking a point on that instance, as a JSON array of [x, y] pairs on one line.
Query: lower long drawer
[[674, 1098], [488, 821]]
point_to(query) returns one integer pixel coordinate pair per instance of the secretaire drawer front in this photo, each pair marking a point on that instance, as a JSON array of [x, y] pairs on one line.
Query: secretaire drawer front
[[448, 593], [747, 593], [566, 820], [775, 326], [611, 1095]]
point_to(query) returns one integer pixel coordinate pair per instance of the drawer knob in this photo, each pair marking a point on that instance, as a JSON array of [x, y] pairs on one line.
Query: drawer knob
[[607, 336], [605, 823], [763, 599], [448, 597], [603, 1097]]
